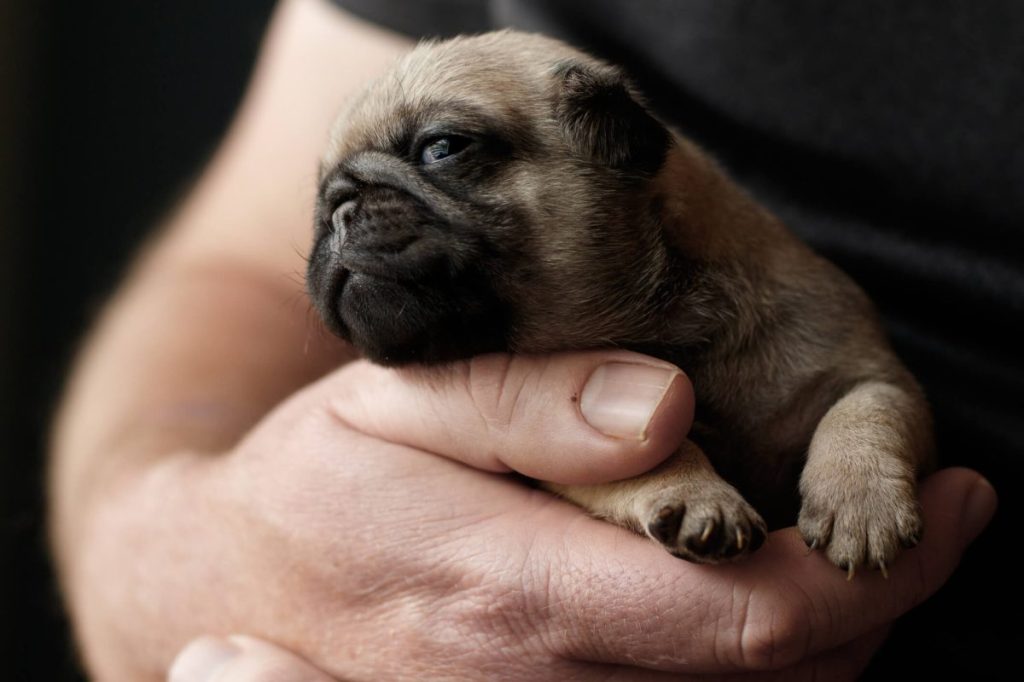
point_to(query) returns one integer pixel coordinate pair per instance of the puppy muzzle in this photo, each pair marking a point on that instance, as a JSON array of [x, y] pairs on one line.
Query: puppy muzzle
[[401, 282], [387, 233]]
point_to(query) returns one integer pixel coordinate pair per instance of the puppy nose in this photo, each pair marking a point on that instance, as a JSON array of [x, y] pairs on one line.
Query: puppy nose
[[342, 218], [387, 232]]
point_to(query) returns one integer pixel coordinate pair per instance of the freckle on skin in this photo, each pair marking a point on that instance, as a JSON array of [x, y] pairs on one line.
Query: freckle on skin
[[573, 398]]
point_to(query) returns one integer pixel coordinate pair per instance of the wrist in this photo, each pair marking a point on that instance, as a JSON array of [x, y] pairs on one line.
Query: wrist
[[132, 555]]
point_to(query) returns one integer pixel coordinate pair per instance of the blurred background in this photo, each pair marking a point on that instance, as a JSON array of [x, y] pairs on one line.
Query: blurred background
[[107, 111]]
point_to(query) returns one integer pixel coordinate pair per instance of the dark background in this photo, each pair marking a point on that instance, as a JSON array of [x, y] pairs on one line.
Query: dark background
[[107, 110]]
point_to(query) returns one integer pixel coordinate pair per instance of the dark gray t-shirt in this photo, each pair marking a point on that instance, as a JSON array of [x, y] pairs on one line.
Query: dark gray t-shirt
[[890, 136]]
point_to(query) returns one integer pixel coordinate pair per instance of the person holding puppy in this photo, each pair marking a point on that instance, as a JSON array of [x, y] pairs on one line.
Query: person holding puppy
[[214, 473]]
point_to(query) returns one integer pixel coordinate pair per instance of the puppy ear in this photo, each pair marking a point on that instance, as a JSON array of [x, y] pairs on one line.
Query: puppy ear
[[603, 121]]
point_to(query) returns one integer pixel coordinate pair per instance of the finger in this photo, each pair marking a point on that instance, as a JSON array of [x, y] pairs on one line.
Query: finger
[[838, 665], [843, 663], [957, 504], [241, 659], [771, 611], [573, 418]]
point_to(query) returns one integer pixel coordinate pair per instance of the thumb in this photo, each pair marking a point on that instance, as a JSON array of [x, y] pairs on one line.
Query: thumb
[[241, 659], [571, 418]]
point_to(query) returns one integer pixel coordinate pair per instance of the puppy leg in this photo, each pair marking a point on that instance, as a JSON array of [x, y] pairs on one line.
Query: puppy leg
[[683, 504], [859, 485]]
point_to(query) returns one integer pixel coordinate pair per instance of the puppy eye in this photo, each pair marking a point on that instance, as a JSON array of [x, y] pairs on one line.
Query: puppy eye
[[442, 147]]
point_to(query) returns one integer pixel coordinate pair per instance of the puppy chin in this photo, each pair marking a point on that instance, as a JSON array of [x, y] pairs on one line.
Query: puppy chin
[[401, 322]]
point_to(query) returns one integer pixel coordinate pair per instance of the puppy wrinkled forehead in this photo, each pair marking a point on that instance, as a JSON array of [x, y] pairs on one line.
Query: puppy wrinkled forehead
[[506, 73]]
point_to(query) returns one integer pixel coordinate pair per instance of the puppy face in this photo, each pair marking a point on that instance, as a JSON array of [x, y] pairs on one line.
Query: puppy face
[[490, 194]]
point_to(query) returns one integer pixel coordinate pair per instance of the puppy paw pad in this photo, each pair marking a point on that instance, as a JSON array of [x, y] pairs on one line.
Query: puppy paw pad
[[708, 530], [865, 528]]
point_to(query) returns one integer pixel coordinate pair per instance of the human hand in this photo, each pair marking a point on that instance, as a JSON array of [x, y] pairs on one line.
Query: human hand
[[331, 532], [245, 659]]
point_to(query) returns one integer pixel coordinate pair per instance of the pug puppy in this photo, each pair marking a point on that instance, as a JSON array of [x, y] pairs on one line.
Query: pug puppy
[[506, 192]]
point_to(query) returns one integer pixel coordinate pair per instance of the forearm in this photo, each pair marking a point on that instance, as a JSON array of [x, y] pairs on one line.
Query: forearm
[[211, 328], [186, 357]]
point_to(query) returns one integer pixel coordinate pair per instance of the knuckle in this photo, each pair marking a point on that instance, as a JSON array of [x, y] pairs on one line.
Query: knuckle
[[772, 635], [496, 386]]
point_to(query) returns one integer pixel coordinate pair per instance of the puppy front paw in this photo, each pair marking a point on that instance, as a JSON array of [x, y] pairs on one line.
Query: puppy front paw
[[863, 522], [705, 526]]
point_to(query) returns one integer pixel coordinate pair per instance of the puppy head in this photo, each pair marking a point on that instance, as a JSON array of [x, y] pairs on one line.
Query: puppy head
[[489, 194]]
